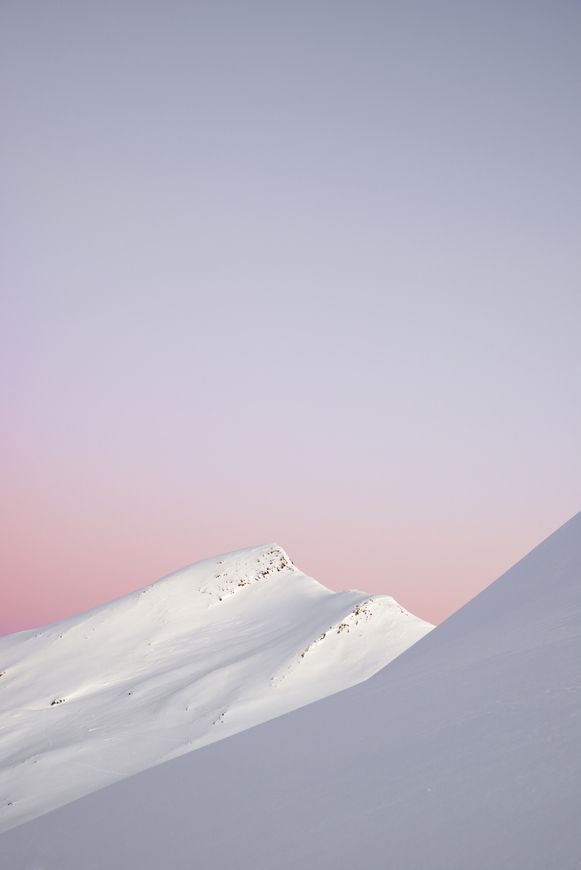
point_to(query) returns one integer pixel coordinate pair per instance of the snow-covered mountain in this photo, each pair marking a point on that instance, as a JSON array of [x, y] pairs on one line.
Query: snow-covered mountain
[[208, 651], [463, 754]]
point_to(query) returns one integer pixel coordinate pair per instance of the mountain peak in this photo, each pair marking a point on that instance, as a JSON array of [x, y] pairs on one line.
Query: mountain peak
[[247, 567], [205, 652]]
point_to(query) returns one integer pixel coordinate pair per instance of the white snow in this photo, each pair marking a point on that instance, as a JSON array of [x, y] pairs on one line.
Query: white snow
[[215, 648], [463, 754]]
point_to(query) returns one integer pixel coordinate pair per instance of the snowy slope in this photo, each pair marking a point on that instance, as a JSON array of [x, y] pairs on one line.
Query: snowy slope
[[464, 754], [208, 651]]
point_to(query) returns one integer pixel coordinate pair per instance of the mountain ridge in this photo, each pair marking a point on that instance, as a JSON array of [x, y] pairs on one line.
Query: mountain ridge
[[200, 654]]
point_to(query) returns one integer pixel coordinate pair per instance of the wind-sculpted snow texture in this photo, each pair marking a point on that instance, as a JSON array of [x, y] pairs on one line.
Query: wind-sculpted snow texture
[[463, 754], [204, 653]]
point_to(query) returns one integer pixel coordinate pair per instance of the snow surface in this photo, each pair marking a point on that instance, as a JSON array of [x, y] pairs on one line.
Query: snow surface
[[463, 754], [215, 648]]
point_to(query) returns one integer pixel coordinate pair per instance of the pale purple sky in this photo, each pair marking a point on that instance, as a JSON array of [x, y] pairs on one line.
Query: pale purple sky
[[304, 272]]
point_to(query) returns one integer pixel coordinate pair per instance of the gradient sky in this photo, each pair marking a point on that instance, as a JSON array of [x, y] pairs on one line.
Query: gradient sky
[[304, 272]]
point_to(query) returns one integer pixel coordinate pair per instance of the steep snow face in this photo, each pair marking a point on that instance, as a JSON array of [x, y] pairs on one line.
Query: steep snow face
[[208, 651], [464, 754]]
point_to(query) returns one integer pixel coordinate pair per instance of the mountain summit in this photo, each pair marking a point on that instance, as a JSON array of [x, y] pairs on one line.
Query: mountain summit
[[197, 656]]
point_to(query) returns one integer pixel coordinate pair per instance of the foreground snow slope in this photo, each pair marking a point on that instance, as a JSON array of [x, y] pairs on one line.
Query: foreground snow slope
[[463, 754], [208, 651]]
